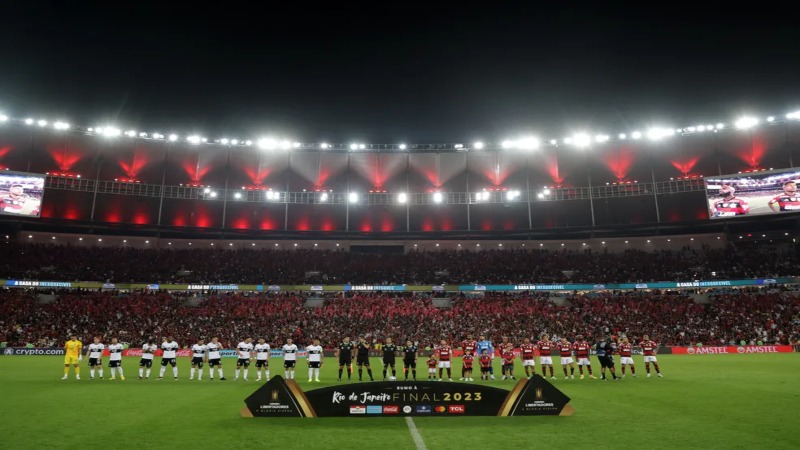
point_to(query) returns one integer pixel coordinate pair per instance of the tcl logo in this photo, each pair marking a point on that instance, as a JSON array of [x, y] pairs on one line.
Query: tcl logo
[[456, 409], [391, 409]]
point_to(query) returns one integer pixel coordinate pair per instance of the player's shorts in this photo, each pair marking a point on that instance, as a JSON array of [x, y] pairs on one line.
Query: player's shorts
[[508, 366], [467, 367], [262, 363], [485, 369], [243, 362], [566, 360], [146, 363], [431, 369], [606, 361], [546, 360], [214, 362], [115, 363], [70, 360], [528, 362], [289, 364], [410, 363], [584, 362], [197, 361], [650, 359], [444, 364], [626, 360], [362, 360], [171, 361], [345, 361], [314, 364], [389, 362], [95, 362]]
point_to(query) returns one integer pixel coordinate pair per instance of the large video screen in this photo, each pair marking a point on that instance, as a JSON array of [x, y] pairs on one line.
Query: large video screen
[[753, 194], [21, 193]]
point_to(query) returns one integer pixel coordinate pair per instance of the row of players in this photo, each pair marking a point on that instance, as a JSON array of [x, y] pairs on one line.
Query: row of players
[[483, 351]]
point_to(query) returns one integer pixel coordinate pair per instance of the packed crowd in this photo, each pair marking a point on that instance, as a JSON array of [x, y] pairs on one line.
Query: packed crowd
[[760, 315], [287, 267]]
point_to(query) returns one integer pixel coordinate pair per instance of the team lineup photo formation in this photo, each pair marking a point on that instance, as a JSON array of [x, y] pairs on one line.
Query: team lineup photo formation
[[475, 355]]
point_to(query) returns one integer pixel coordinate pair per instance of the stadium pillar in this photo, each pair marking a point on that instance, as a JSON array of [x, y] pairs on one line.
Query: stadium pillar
[[286, 198], [528, 192], [589, 180], [655, 187], [96, 181], [167, 145], [347, 198], [469, 219], [227, 179], [408, 197]]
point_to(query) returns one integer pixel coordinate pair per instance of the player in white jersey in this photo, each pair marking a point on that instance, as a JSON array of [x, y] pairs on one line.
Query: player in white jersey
[[262, 359], [314, 360], [213, 358], [96, 357], [115, 358], [244, 349], [289, 351], [198, 354], [170, 349], [148, 352]]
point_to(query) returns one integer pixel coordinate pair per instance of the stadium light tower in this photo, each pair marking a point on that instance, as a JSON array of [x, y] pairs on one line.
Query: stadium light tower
[[352, 197], [478, 145], [745, 123], [438, 197], [402, 198], [581, 140], [529, 143]]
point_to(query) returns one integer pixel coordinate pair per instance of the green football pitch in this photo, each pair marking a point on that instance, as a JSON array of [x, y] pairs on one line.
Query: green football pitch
[[709, 401]]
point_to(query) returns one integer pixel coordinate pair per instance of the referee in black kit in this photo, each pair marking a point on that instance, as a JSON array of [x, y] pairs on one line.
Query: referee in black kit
[[604, 349]]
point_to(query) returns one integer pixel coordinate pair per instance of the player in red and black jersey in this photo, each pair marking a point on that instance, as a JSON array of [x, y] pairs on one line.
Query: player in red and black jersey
[[788, 201], [649, 349], [582, 350], [507, 353], [546, 347], [527, 352], [485, 361], [625, 350], [445, 353], [469, 346], [729, 204], [565, 349]]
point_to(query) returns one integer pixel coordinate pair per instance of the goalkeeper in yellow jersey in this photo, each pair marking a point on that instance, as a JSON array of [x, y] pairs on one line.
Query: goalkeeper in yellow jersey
[[72, 356]]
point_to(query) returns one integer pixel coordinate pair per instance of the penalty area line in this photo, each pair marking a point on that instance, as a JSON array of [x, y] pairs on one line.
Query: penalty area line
[[415, 434]]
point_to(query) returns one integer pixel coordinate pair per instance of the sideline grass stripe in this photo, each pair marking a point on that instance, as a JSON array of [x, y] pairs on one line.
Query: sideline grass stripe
[[415, 434]]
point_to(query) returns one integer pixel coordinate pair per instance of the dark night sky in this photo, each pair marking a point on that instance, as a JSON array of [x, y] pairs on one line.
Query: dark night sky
[[413, 74]]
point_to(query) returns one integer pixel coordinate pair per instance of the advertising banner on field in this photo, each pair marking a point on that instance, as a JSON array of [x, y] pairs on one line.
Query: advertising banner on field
[[138, 352], [732, 349], [282, 398], [24, 351]]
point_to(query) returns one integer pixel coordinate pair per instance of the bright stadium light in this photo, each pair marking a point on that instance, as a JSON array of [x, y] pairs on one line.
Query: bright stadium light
[[507, 144], [248, 142], [224, 141], [529, 143], [237, 195], [130, 133], [272, 195], [267, 144], [193, 139], [546, 191], [353, 146], [29, 121], [324, 146], [581, 140], [361, 146], [793, 115], [3, 118], [296, 144], [207, 191], [540, 196], [636, 135], [655, 134], [352, 197], [213, 195], [746, 122], [623, 136], [720, 126], [111, 131], [173, 137], [771, 119], [285, 145], [478, 145], [600, 138], [42, 123], [234, 142], [512, 195], [437, 197], [61, 125], [323, 197], [402, 146], [402, 197]]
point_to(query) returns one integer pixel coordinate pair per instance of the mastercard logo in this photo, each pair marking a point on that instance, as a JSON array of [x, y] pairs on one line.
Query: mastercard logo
[[440, 409]]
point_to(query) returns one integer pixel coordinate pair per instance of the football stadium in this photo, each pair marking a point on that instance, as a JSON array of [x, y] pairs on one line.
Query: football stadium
[[626, 284]]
